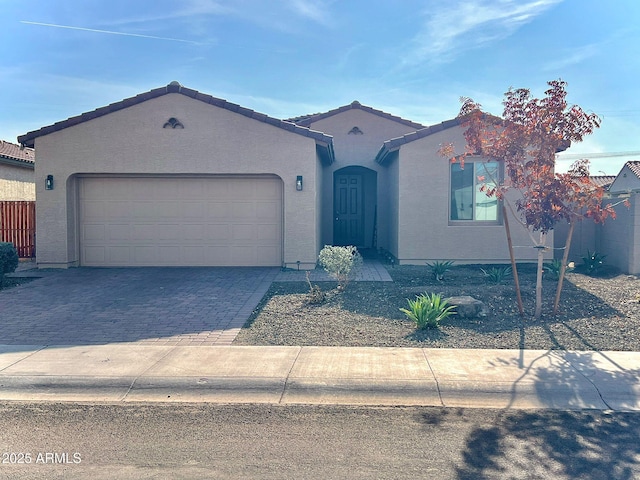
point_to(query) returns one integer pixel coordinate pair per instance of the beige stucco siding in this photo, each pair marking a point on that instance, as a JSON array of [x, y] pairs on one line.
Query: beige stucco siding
[[359, 150], [16, 183], [133, 141], [626, 181], [617, 237], [424, 230]]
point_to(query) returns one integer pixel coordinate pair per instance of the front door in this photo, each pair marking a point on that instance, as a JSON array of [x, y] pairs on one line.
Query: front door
[[348, 226]]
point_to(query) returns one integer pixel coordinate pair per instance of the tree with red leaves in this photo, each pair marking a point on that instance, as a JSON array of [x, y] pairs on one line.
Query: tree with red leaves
[[525, 140]]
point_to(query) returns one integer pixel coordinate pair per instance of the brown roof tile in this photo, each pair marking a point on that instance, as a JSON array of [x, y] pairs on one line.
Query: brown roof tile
[[603, 181], [394, 144], [10, 152], [634, 166], [306, 120], [324, 141]]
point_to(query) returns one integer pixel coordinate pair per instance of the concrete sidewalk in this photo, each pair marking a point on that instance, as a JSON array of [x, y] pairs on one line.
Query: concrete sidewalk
[[130, 372]]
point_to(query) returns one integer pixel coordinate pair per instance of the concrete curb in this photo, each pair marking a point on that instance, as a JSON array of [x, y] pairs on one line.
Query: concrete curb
[[509, 379]]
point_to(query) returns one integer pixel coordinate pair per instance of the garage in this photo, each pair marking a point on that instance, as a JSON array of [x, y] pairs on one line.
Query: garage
[[180, 220]]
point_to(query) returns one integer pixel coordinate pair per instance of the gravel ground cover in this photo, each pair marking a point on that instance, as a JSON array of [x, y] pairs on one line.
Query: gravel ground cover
[[601, 313]]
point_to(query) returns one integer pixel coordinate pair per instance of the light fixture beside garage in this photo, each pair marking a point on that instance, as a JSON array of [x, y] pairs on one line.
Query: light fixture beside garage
[[48, 182], [299, 183]]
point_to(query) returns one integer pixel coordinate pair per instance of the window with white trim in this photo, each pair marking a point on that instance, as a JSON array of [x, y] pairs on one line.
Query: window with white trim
[[468, 202]]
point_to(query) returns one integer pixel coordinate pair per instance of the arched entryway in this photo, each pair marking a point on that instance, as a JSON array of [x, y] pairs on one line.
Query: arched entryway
[[354, 207]]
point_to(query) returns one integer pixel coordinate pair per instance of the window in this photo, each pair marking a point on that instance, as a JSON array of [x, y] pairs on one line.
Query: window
[[468, 203]]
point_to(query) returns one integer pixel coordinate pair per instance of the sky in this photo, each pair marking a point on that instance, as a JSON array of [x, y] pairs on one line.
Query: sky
[[287, 58]]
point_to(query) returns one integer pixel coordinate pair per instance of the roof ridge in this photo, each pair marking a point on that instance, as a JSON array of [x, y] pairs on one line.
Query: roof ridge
[[634, 166], [394, 144], [306, 120], [28, 139]]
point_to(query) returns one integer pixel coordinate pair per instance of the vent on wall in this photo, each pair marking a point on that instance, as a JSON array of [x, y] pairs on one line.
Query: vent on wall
[[173, 123], [355, 131]]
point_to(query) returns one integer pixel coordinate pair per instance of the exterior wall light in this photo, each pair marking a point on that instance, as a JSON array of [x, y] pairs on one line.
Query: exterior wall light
[[48, 183], [299, 183]]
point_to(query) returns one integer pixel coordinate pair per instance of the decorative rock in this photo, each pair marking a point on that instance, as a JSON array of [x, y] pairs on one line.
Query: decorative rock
[[468, 307]]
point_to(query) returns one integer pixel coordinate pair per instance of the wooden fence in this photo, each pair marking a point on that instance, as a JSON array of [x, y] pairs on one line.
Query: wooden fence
[[18, 226]]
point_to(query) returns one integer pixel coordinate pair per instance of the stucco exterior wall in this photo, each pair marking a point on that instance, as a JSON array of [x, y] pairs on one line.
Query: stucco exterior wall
[[133, 141], [16, 183], [586, 236], [424, 230], [393, 206], [619, 238], [355, 149], [626, 181]]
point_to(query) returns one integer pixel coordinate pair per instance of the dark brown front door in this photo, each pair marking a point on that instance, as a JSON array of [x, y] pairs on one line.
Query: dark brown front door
[[348, 227]]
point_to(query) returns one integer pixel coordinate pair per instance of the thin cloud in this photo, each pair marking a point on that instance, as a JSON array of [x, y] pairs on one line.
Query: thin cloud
[[577, 56], [312, 10], [449, 28], [109, 32]]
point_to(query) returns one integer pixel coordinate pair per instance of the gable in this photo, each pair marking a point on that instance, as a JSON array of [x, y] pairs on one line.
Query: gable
[[323, 141], [391, 146], [628, 179], [308, 120]]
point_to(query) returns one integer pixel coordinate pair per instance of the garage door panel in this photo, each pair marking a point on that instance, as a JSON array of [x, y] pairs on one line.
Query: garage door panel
[[181, 221], [219, 233], [120, 255], [119, 232], [94, 232]]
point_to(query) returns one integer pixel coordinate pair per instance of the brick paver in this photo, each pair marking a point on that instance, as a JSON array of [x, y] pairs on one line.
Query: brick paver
[[175, 306], [159, 306]]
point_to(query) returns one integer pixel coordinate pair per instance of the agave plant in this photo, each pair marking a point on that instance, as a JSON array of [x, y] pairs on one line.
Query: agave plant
[[496, 274], [428, 310], [440, 268], [592, 262]]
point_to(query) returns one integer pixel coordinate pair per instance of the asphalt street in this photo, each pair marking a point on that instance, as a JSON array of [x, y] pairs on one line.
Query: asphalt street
[[191, 441]]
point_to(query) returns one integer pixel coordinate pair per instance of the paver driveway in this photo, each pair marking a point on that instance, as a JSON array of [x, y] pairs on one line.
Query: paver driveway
[[186, 306]]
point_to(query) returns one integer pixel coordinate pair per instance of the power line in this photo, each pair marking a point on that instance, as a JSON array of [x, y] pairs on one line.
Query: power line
[[569, 156]]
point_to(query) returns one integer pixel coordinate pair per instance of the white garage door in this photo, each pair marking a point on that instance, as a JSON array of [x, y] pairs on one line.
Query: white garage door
[[170, 221]]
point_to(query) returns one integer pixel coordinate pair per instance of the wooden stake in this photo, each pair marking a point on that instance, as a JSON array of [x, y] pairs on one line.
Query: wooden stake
[[513, 261], [563, 268]]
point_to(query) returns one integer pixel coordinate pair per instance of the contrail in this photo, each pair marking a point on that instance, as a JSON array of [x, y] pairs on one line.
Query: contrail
[[107, 31]]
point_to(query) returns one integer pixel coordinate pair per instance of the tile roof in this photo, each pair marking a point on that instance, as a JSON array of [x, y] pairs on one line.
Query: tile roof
[[634, 166], [603, 181], [394, 144], [324, 140], [306, 120], [16, 155]]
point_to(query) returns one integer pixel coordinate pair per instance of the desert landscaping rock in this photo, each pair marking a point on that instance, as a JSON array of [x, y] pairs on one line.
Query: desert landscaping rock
[[595, 313], [468, 307]]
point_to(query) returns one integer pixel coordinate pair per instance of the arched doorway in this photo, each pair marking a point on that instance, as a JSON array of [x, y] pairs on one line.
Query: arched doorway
[[354, 207]]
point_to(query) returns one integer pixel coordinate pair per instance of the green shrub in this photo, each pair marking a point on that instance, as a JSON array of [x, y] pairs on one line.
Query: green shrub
[[428, 310], [8, 259], [554, 268], [438, 269], [496, 274], [592, 262], [340, 262]]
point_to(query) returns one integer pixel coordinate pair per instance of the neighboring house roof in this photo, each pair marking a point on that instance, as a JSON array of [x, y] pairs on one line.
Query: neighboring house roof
[[306, 120], [323, 141], [12, 154], [634, 166], [603, 181], [392, 145]]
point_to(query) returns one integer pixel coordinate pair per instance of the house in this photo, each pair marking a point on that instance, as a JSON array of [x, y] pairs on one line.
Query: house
[[177, 177], [16, 172], [618, 239]]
